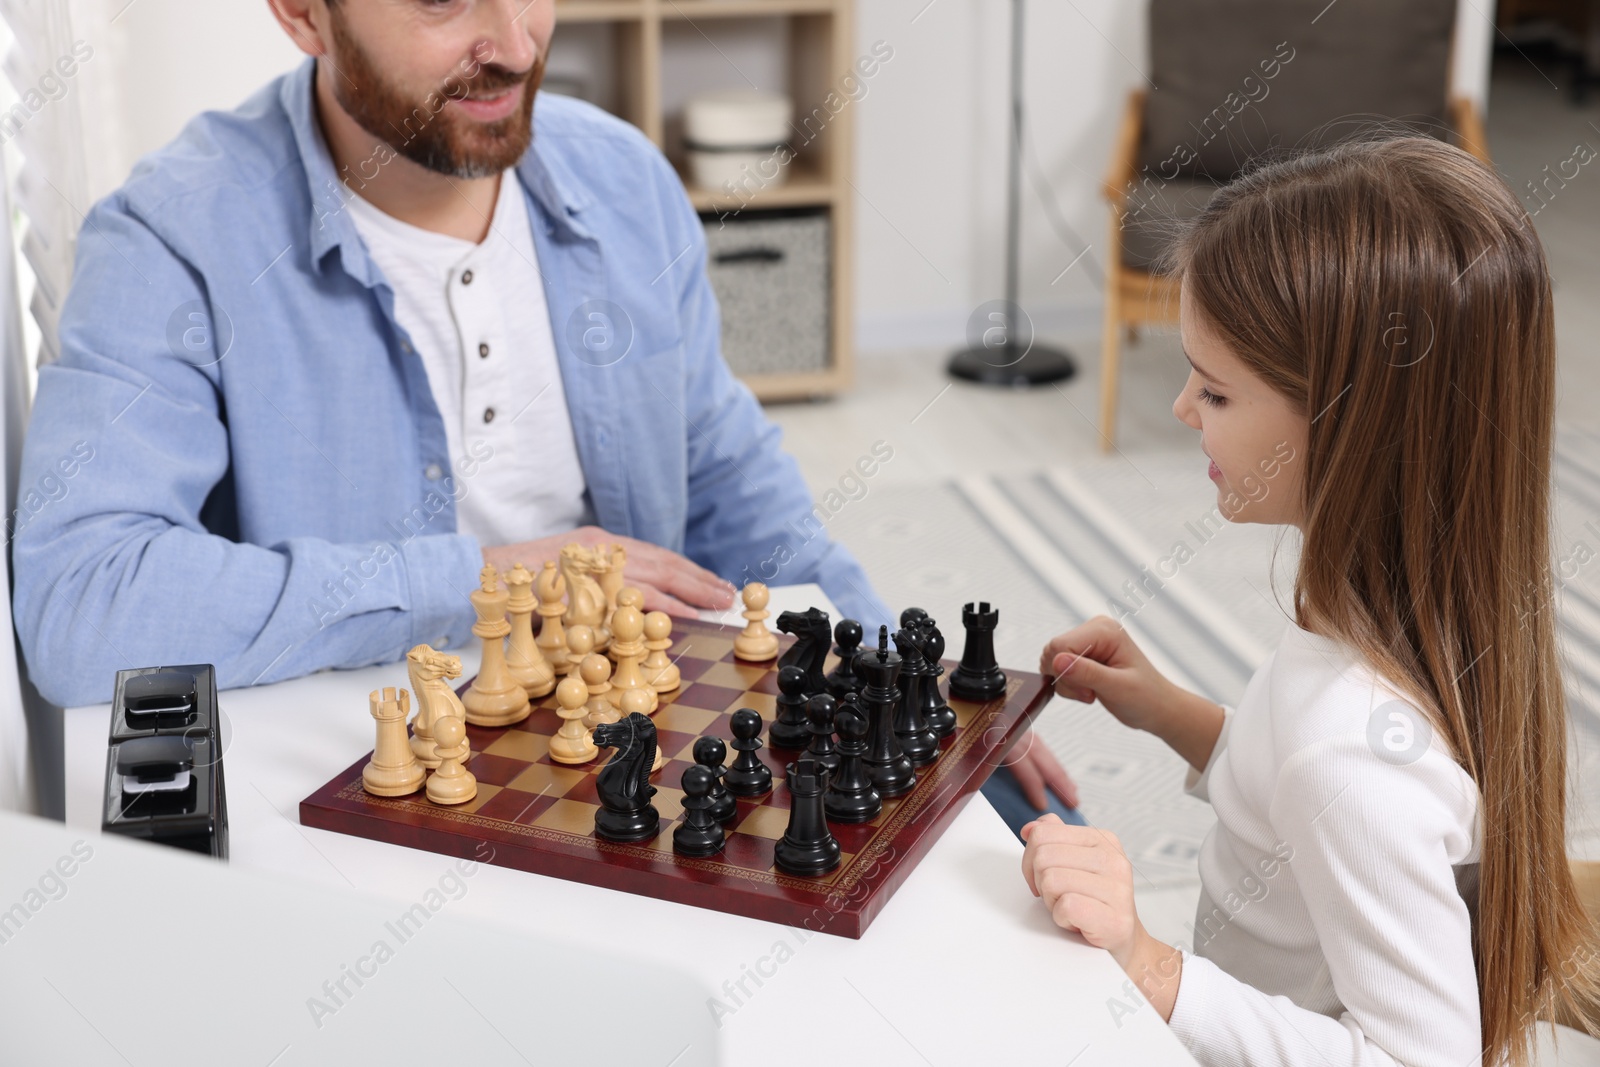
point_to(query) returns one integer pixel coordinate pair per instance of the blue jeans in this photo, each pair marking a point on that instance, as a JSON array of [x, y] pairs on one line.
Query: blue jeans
[[1005, 793]]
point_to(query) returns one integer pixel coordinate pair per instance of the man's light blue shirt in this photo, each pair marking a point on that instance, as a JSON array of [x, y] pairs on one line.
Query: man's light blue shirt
[[238, 460]]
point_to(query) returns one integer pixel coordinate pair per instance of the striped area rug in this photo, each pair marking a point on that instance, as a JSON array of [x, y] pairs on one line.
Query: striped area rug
[[1206, 600]]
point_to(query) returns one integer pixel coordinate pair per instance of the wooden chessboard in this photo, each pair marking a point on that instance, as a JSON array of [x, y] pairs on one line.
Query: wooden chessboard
[[538, 815]]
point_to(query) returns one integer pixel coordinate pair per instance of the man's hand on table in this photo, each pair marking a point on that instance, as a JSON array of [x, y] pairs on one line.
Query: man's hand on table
[[669, 582]]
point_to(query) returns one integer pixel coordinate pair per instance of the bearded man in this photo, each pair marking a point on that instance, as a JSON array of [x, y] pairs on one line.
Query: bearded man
[[395, 317]]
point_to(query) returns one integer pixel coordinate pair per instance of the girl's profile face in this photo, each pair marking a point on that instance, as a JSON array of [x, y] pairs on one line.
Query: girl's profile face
[[1251, 433]]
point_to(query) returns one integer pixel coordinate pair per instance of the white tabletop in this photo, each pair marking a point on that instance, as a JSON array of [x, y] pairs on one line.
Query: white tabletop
[[962, 966]]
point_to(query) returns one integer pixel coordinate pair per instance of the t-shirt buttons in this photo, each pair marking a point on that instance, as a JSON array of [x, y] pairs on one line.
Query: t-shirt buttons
[[488, 414], [483, 350], [466, 277], [433, 472]]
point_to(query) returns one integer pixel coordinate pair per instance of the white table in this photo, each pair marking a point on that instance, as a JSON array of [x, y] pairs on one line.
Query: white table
[[963, 965]]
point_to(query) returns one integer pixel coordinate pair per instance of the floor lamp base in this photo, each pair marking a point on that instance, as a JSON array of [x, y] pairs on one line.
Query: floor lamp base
[[1037, 365]]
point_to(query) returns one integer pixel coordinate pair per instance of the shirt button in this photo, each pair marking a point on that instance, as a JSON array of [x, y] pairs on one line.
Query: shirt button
[[441, 642], [433, 472], [466, 277], [483, 351], [405, 346], [488, 414]]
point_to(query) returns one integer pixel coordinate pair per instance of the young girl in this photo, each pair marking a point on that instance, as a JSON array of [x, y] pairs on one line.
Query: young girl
[[1371, 343]]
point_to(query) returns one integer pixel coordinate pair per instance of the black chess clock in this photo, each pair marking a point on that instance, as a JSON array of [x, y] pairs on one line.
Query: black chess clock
[[164, 762]]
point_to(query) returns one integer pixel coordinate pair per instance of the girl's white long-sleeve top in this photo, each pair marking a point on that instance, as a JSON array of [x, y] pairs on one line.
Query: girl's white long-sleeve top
[[1338, 888]]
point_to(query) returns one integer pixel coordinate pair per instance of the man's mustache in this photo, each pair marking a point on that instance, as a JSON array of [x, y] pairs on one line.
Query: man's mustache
[[491, 78]]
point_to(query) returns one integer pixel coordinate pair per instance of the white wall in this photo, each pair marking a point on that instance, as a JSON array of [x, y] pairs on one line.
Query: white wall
[[931, 135]]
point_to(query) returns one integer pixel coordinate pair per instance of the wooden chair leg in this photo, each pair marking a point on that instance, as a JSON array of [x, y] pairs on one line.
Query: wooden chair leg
[[1110, 360]]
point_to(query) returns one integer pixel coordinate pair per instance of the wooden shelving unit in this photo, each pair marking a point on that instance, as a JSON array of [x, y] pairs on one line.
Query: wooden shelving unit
[[819, 56]]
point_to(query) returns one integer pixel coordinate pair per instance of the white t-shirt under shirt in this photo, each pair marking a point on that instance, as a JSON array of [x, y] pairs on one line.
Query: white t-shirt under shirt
[[476, 314], [1334, 927]]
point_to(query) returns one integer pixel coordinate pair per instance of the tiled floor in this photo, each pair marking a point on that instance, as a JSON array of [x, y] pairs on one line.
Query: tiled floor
[[940, 431]]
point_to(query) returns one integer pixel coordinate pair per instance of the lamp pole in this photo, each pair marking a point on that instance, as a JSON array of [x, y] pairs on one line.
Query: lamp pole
[[1000, 343]]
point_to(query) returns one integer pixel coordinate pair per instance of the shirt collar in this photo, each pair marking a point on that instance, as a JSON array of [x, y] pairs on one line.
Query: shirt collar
[[554, 187]]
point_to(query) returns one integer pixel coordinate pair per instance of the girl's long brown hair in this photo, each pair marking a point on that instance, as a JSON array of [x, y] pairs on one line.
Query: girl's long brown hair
[[1394, 291]]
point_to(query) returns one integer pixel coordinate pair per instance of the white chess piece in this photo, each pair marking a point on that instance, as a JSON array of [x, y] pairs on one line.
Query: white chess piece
[[572, 743], [755, 643]]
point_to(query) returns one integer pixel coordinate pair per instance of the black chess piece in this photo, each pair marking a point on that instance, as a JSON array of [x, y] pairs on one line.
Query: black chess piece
[[808, 847], [843, 679], [623, 784], [851, 797], [791, 730], [912, 617], [748, 777], [810, 649], [978, 677], [936, 711], [916, 740], [887, 765], [699, 834], [709, 752], [820, 711]]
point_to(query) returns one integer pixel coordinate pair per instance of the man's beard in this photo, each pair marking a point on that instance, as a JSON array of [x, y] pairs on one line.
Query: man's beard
[[426, 131]]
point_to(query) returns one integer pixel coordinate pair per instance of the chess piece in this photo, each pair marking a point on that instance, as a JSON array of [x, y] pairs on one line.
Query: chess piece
[[551, 587], [749, 776], [586, 604], [916, 740], [700, 833], [451, 783], [660, 673], [525, 662], [430, 673], [611, 579], [808, 848], [937, 713], [580, 642], [571, 743], [638, 701], [887, 765], [791, 729], [913, 617], [709, 752], [631, 597], [623, 784], [756, 643], [627, 642], [842, 679], [851, 796], [978, 677], [810, 649], [820, 710], [494, 698], [596, 674], [393, 770], [422, 743]]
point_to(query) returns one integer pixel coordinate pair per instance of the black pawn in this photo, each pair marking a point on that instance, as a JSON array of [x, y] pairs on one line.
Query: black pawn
[[978, 677], [709, 752], [820, 711], [808, 848], [916, 740], [699, 834], [843, 679], [851, 796], [936, 711], [891, 771], [791, 730], [748, 777]]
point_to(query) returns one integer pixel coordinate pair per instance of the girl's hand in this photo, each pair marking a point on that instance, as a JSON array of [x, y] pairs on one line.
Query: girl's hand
[[1098, 660], [1086, 881]]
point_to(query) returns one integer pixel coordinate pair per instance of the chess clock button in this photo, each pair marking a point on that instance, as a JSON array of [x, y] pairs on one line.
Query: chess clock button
[[488, 414], [433, 472], [483, 351], [466, 277]]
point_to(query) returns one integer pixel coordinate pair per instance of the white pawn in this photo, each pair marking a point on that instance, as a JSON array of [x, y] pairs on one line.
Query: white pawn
[[580, 642], [660, 673], [596, 673], [755, 643], [631, 597], [451, 783], [626, 633], [572, 743]]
